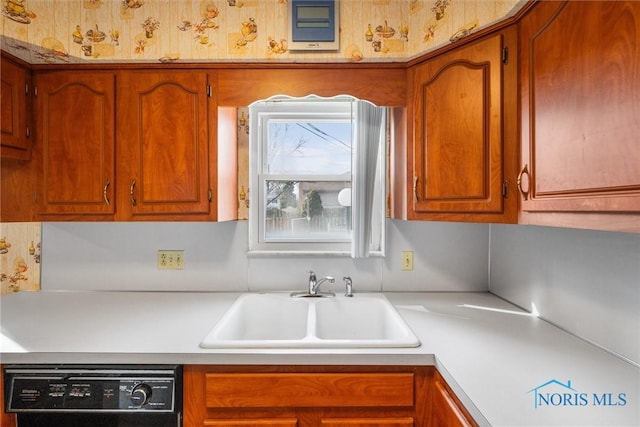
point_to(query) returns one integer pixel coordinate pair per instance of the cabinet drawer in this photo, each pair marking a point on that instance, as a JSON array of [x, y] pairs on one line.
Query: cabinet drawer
[[275, 422], [370, 422], [261, 390]]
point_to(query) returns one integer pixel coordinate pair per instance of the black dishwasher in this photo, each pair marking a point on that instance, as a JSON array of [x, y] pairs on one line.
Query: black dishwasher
[[94, 395]]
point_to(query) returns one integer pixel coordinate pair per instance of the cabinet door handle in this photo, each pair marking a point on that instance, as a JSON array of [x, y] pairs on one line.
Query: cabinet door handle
[[524, 171], [104, 193], [132, 197], [415, 189]]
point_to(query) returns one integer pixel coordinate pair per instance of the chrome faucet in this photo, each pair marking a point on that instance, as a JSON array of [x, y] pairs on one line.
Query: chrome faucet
[[314, 283], [349, 286]]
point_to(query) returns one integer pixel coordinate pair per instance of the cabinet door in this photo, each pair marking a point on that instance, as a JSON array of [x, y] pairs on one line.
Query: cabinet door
[[14, 111], [446, 411], [163, 144], [580, 105], [75, 134], [462, 153]]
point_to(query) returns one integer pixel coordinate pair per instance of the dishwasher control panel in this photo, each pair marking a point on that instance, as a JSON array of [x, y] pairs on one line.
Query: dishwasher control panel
[[65, 389]]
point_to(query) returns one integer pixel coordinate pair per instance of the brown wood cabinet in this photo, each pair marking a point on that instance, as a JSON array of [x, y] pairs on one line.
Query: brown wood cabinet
[[147, 156], [76, 143], [166, 141], [317, 396], [144, 142], [15, 87], [446, 408], [580, 110], [463, 149], [18, 174], [304, 396]]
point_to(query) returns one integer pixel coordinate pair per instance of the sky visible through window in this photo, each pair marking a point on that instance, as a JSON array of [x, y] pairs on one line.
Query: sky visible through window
[[309, 148]]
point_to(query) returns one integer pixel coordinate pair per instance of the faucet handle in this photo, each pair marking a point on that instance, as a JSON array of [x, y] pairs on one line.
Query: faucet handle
[[349, 286]]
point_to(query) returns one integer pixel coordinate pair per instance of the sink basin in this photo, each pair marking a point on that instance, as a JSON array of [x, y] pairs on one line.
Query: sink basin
[[279, 321], [260, 318], [367, 318]]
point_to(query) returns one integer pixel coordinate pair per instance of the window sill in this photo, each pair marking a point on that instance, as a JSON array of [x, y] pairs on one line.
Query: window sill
[[277, 254]]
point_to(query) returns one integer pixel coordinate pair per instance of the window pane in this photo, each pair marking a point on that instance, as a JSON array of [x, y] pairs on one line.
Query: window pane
[[307, 210], [309, 147]]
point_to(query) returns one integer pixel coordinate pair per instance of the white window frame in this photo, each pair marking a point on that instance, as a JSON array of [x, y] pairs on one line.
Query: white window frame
[[316, 109]]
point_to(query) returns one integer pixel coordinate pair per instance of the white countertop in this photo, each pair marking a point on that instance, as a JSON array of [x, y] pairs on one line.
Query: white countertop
[[496, 361]]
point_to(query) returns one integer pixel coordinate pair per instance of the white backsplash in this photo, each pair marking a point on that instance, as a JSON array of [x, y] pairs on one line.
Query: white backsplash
[[587, 282], [122, 256]]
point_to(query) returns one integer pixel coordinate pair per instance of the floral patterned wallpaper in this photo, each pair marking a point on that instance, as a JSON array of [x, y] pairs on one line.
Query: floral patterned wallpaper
[[243, 163], [74, 31], [20, 248]]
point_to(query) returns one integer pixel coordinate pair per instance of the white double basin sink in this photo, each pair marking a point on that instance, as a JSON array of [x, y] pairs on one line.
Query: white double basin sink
[[275, 320]]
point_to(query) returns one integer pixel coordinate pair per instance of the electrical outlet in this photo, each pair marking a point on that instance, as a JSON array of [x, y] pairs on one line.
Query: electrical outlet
[[170, 260], [407, 261]]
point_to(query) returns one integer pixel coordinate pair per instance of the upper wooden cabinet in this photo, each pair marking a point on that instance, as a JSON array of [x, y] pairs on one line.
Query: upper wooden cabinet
[[580, 104], [164, 138], [14, 108], [463, 135], [158, 133], [76, 143]]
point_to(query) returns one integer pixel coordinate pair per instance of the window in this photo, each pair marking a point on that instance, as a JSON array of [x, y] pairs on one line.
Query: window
[[313, 194]]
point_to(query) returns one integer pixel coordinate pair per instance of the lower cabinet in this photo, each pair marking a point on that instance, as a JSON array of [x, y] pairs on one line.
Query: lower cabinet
[[446, 409], [372, 396]]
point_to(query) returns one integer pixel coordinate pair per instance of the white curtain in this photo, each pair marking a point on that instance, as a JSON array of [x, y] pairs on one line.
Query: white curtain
[[367, 173]]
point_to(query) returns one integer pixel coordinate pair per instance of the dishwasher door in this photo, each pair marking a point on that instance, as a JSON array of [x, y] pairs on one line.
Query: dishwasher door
[[94, 395]]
